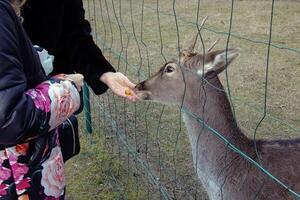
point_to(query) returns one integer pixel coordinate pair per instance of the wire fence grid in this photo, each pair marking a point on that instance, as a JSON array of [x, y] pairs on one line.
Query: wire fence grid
[[147, 142]]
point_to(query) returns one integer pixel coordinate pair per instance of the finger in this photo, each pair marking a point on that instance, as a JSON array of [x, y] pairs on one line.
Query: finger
[[75, 77], [120, 92], [129, 83], [134, 97], [131, 98]]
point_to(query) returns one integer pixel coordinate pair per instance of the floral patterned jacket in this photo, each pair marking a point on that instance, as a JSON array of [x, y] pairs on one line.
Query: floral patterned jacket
[[31, 107]]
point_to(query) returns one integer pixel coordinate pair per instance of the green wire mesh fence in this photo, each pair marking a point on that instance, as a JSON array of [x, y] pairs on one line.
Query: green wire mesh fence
[[149, 152]]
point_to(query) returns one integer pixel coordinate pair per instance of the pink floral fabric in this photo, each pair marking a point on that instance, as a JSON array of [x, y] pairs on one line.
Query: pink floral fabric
[[64, 102], [53, 177], [3, 188], [19, 170], [61, 99], [58, 98], [40, 97], [5, 174]]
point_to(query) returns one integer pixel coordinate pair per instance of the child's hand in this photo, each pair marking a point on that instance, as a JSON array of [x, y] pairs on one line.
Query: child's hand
[[78, 79]]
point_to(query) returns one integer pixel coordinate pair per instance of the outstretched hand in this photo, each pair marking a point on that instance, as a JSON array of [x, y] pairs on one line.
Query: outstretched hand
[[120, 85]]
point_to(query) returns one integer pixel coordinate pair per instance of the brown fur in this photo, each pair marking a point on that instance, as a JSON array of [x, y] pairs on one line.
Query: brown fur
[[223, 173]]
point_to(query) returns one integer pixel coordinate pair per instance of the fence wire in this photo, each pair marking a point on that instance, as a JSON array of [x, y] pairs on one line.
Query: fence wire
[[147, 145]]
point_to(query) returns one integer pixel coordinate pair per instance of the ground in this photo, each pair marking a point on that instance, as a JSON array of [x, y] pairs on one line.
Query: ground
[[136, 148]]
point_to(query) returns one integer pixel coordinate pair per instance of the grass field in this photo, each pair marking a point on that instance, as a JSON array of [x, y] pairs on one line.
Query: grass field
[[130, 38]]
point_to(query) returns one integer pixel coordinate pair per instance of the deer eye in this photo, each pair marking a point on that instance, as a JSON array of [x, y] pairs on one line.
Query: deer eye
[[169, 69]]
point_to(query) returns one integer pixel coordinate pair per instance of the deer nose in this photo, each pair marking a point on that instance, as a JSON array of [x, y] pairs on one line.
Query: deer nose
[[140, 86]]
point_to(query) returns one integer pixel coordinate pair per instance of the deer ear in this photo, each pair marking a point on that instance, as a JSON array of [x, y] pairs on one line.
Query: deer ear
[[217, 61]]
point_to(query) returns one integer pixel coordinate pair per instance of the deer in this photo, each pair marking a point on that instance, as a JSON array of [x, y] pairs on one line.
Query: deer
[[191, 81]]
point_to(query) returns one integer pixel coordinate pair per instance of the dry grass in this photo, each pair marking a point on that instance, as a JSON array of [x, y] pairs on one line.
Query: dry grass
[[251, 19]]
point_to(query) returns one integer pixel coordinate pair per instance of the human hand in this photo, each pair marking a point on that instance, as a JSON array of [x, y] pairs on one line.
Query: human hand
[[120, 85], [78, 79]]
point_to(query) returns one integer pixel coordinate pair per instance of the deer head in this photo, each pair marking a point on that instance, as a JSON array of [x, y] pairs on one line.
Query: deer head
[[177, 78]]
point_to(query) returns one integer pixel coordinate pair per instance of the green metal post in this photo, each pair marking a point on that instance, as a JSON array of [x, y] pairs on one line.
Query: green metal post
[[87, 109]]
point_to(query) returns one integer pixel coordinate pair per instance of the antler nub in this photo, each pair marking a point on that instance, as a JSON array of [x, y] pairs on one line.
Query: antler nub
[[193, 43], [213, 45], [194, 40]]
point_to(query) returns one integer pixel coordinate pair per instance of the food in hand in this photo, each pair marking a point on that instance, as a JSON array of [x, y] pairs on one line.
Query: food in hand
[[128, 92]]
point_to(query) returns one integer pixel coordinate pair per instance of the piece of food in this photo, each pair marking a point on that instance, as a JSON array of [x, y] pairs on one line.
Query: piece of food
[[128, 92]]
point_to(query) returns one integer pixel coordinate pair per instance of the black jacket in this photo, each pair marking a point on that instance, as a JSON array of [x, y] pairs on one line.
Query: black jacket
[[20, 70], [59, 27]]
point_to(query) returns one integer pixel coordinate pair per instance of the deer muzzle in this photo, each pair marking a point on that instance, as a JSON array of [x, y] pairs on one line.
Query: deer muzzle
[[142, 92], [140, 86]]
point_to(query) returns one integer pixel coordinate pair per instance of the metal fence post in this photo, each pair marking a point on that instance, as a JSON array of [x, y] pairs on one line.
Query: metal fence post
[[87, 109]]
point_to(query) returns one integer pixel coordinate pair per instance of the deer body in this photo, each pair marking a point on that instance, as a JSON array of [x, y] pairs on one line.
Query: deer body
[[215, 164], [208, 151], [223, 173]]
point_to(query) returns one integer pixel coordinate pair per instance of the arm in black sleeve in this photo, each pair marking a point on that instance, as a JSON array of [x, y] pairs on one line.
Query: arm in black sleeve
[[81, 49], [26, 115]]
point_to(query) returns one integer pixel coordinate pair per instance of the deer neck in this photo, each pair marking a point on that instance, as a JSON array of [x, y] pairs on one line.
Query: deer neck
[[207, 149]]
